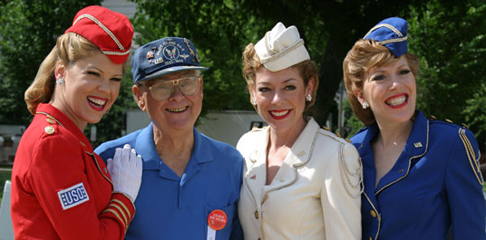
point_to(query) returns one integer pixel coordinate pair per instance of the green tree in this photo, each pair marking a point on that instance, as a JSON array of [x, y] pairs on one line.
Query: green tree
[[27, 34], [450, 40]]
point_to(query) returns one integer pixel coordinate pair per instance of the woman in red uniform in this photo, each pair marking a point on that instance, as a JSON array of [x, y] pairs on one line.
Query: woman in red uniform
[[60, 188]]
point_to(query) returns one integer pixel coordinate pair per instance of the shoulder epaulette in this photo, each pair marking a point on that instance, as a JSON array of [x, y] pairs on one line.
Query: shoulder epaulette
[[471, 155]]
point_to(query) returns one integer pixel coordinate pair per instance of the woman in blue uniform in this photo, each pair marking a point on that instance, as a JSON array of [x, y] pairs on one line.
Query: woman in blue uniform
[[421, 176]]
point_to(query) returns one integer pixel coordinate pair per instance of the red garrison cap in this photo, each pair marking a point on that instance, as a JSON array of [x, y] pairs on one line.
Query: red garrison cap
[[112, 32]]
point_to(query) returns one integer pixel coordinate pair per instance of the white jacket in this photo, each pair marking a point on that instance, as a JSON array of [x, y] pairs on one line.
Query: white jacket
[[315, 194]]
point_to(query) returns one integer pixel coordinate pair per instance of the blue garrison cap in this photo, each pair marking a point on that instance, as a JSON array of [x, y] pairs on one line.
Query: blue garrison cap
[[164, 56], [391, 33]]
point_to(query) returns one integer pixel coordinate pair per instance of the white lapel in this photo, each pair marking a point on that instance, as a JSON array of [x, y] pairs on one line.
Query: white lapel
[[298, 156], [256, 175]]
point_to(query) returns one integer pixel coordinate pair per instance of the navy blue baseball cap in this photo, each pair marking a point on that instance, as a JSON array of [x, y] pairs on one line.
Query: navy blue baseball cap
[[391, 33], [164, 56]]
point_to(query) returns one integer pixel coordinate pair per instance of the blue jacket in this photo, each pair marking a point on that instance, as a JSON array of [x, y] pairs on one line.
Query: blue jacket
[[173, 207], [435, 185]]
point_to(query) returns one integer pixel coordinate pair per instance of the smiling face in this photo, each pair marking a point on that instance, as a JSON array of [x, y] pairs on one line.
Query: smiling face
[[178, 112], [280, 97], [390, 90], [91, 86]]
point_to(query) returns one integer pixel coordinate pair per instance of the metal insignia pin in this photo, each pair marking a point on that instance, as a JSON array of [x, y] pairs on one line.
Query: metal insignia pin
[[417, 144], [150, 55], [49, 130]]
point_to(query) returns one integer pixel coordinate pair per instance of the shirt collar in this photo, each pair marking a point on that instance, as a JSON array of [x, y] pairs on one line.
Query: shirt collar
[[201, 152], [65, 122]]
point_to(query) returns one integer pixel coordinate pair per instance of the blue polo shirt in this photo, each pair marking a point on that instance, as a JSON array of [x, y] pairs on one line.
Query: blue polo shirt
[[173, 207]]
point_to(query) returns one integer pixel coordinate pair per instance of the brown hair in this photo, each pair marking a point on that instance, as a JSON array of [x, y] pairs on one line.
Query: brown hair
[[364, 56], [251, 64], [69, 48]]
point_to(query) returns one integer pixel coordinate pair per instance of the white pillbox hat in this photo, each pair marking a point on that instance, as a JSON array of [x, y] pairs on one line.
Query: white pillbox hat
[[281, 48]]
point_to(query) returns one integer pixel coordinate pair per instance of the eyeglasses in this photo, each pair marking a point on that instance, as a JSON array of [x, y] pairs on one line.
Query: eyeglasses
[[163, 90]]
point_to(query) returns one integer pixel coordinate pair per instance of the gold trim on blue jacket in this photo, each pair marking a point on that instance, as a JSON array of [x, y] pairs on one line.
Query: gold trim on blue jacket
[[435, 185]]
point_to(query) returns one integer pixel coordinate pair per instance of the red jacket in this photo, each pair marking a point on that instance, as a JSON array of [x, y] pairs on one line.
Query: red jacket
[[60, 188]]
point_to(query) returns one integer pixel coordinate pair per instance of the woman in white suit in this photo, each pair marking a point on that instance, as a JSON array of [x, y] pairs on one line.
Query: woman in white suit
[[300, 181]]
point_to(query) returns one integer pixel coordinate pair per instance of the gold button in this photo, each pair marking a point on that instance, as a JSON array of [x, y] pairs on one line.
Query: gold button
[[256, 214], [371, 238], [49, 130], [373, 213]]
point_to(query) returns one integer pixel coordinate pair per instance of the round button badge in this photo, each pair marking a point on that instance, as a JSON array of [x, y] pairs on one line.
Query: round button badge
[[217, 219]]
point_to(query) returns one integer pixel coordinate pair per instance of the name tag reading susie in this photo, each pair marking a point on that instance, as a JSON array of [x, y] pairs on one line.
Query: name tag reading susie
[[217, 220]]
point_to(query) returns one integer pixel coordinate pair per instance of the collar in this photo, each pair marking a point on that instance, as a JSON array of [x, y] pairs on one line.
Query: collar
[[415, 147], [301, 150], [299, 155], [145, 145], [64, 121]]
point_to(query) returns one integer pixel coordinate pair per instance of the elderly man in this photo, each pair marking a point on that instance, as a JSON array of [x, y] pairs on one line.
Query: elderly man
[[190, 183]]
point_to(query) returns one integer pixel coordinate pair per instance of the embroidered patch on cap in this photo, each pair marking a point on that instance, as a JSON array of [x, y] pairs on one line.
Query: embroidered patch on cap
[[73, 196], [164, 56]]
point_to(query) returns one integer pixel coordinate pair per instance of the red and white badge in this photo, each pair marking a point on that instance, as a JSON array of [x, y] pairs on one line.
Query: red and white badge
[[217, 220]]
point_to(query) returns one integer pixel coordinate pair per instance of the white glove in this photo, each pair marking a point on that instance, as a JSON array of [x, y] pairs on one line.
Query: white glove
[[126, 171]]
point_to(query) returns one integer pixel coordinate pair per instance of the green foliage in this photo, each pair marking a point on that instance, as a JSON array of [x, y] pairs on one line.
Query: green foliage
[[28, 32], [449, 38], [475, 113], [352, 124]]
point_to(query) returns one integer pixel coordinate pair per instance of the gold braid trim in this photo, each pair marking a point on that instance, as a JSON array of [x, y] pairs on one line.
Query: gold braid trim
[[116, 215], [113, 205], [123, 206], [347, 174], [471, 155], [281, 53]]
